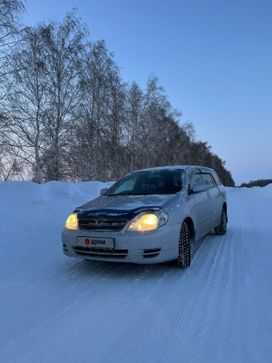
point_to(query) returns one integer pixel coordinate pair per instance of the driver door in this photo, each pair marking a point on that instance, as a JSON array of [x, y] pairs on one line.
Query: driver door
[[200, 206]]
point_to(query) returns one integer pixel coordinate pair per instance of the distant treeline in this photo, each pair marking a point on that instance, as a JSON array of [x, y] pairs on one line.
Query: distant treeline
[[256, 183], [66, 113]]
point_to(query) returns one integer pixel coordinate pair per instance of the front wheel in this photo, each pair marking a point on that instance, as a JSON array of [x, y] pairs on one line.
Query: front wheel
[[222, 226], [184, 256]]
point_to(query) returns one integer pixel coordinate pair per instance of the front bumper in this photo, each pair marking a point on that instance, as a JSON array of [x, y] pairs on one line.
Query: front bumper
[[155, 246]]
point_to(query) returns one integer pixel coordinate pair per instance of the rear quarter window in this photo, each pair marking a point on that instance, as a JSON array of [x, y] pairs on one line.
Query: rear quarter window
[[217, 179]]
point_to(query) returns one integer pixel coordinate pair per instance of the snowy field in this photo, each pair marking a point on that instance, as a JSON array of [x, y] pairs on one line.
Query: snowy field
[[59, 309]]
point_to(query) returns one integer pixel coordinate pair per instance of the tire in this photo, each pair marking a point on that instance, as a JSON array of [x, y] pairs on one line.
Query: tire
[[185, 238], [221, 229]]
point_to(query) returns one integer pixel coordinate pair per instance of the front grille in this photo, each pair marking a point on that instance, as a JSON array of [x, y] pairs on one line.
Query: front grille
[[100, 252], [151, 252], [102, 224], [108, 219]]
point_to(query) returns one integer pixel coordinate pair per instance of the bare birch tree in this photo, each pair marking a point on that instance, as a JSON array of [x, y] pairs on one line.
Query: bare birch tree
[[64, 50], [27, 101], [9, 28], [100, 116], [10, 11]]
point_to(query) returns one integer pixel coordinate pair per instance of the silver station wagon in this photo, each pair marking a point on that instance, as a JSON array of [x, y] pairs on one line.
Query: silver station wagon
[[149, 216]]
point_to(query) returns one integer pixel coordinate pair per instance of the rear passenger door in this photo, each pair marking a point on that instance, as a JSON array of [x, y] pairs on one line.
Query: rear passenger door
[[214, 197]]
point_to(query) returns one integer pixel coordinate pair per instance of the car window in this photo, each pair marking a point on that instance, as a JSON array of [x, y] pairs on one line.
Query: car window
[[208, 180], [127, 186], [197, 180], [216, 178], [149, 182]]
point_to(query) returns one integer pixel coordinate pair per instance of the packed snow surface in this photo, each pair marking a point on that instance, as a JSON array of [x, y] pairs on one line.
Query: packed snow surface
[[59, 309]]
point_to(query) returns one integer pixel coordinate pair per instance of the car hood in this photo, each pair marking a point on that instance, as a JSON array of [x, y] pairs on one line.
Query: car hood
[[128, 202]]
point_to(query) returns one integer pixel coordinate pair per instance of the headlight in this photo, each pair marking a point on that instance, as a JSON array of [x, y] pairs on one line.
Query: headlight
[[147, 221], [72, 222]]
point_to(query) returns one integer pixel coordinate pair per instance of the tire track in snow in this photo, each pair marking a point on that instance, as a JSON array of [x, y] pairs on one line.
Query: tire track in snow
[[41, 324], [121, 342], [169, 275], [229, 314], [138, 274], [221, 273], [177, 325], [212, 255]]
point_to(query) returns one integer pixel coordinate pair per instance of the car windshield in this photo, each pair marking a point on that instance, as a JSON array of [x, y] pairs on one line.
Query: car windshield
[[148, 182]]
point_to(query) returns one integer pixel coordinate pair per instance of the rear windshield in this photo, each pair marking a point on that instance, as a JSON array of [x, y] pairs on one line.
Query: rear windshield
[[149, 182]]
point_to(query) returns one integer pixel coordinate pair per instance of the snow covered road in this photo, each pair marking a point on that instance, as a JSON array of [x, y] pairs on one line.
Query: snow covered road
[[56, 309]]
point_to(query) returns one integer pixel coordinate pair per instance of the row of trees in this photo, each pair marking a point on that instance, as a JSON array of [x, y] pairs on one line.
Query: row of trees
[[256, 183], [66, 113]]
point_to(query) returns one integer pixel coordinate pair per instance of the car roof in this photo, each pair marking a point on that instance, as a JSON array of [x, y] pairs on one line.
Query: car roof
[[175, 167]]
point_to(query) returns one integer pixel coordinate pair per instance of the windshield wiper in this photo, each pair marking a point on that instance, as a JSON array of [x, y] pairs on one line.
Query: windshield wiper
[[130, 193], [155, 193], [113, 195]]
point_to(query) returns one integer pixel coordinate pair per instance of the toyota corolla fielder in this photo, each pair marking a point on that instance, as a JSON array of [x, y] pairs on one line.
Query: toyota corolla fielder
[[149, 216]]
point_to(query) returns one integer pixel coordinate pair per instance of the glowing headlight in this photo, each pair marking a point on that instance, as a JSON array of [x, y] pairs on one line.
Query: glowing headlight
[[147, 222], [72, 222]]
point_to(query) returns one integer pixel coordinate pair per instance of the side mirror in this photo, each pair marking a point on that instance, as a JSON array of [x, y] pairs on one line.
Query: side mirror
[[198, 188], [103, 191]]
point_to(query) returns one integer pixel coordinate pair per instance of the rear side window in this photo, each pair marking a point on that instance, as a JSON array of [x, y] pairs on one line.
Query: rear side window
[[209, 180]]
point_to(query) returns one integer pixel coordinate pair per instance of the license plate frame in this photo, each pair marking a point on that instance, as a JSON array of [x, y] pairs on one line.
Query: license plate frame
[[94, 243]]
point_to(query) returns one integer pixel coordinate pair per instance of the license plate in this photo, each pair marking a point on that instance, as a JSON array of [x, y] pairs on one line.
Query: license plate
[[96, 242]]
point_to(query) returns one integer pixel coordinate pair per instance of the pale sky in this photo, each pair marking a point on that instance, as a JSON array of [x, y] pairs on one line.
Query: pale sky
[[213, 58]]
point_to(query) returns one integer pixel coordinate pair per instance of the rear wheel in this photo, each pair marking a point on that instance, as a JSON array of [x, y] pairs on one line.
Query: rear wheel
[[185, 237], [222, 226]]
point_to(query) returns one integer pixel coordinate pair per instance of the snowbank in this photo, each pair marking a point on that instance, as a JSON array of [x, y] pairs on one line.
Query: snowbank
[[26, 205]]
